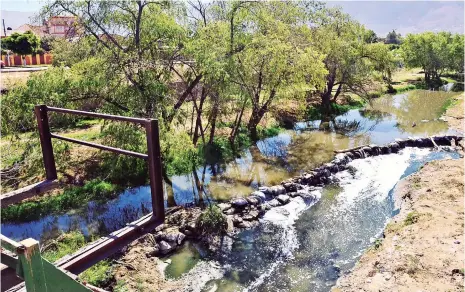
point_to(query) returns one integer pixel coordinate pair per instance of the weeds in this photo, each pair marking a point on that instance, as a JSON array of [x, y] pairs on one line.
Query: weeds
[[98, 275], [72, 197], [412, 218], [211, 221]]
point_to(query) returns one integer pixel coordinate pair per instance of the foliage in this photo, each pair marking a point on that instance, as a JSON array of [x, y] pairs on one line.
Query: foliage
[[393, 38], [72, 197], [22, 43], [68, 53], [351, 61], [412, 218], [211, 221], [99, 275], [434, 53], [68, 243]]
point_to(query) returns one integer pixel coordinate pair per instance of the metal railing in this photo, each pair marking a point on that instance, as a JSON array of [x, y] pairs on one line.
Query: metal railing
[[153, 155]]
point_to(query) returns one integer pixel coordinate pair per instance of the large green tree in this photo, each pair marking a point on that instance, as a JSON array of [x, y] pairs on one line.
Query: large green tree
[[435, 53], [22, 43], [350, 60]]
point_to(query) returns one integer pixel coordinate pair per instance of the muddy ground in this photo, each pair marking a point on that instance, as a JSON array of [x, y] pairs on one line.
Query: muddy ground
[[423, 248]]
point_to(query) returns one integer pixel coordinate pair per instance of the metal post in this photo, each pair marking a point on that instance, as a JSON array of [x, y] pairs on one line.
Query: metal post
[[154, 160], [32, 266], [46, 141]]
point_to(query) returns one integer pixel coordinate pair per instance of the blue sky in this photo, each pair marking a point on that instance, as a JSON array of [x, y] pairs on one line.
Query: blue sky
[[380, 16]]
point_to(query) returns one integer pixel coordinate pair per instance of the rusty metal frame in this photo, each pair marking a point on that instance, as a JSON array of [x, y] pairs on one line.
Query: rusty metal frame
[[153, 156]]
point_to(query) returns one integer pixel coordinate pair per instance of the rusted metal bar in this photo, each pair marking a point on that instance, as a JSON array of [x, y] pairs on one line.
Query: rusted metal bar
[[154, 161], [29, 191], [97, 115], [9, 244], [108, 245], [102, 147], [46, 141]]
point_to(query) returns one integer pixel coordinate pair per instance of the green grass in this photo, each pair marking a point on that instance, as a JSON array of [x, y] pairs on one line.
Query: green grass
[[447, 104], [72, 197], [99, 274], [412, 218]]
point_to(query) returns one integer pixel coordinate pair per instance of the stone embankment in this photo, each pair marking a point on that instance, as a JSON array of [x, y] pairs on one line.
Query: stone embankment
[[243, 213]]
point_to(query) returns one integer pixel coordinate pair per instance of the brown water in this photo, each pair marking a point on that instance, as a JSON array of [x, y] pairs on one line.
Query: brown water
[[269, 162]]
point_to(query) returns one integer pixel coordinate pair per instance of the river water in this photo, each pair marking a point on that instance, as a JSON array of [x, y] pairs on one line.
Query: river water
[[300, 245]]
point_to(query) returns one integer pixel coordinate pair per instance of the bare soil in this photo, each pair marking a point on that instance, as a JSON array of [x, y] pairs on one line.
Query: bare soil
[[423, 246]]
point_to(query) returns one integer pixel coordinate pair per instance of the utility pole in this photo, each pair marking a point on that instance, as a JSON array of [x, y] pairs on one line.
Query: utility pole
[[4, 27]]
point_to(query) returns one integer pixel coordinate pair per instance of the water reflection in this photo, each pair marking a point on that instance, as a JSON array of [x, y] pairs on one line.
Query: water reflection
[[268, 162]]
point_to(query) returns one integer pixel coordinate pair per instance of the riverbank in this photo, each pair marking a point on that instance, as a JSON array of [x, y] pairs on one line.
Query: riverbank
[[423, 245]]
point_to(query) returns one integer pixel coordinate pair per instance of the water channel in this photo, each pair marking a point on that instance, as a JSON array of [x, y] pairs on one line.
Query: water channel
[[299, 247]]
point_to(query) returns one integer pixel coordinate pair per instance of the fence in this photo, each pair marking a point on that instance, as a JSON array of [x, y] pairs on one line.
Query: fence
[[38, 274], [35, 59]]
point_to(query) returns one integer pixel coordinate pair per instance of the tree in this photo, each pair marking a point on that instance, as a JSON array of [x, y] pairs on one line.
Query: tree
[[434, 53], [350, 61], [370, 37], [393, 38], [22, 43]]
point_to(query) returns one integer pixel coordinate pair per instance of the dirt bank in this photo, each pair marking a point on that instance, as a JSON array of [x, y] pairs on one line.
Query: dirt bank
[[455, 114], [423, 248]]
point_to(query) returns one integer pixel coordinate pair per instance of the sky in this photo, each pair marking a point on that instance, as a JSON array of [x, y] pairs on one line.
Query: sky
[[380, 16]]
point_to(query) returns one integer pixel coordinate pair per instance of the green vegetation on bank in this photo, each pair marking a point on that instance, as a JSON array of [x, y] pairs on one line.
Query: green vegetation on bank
[[211, 221], [99, 274], [72, 197]]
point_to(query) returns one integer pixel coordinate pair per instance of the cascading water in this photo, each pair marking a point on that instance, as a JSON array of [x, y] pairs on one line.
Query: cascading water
[[305, 246]]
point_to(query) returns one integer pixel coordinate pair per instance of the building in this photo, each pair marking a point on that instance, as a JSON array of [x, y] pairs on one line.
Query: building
[[60, 26], [57, 26]]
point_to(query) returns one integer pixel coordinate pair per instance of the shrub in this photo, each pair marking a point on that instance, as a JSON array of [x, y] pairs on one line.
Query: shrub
[[211, 221], [412, 218]]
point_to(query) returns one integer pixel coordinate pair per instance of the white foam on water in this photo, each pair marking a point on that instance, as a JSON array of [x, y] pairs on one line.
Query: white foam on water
[[201, 274], [375, 176], [284, 217]]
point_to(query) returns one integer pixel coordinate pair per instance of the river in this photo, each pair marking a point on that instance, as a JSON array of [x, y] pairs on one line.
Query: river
[[298, 246]]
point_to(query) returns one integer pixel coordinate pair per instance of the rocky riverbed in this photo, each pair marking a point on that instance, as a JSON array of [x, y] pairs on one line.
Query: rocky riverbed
[[141, 257]]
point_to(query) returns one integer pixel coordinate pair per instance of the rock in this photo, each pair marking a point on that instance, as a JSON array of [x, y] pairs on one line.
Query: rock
[[172, 236], [277, 190], [394, 147], [229, 224], [165, 247], [293, 194], [224, 206], [230, 211], [160, 227], [181, 238], [239, 203], [244, 224], [283, 199], [252, 215], [265, 190], [188, 233], [266, 206], [158, 236], [237, 219], [253, 200], [274, 203], [290, 187], [260, 195]]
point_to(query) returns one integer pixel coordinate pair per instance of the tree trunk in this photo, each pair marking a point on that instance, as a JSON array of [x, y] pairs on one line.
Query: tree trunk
[[257, 115], [237, 123]]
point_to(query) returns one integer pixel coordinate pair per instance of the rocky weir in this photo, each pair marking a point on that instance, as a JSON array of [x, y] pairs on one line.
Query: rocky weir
[[245, 212]]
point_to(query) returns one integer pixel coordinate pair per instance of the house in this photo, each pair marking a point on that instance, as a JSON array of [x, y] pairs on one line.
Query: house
[[57, 26], [60, 26]]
